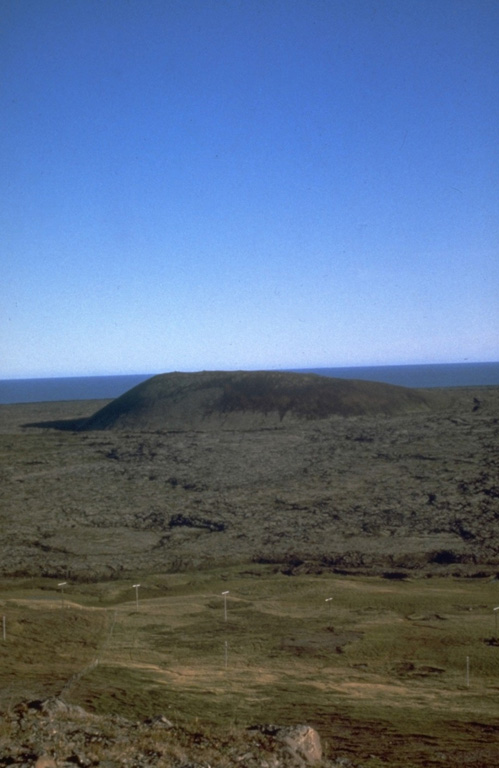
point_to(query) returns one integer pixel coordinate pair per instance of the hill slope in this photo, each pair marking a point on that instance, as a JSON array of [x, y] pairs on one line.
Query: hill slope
[[249, 399]]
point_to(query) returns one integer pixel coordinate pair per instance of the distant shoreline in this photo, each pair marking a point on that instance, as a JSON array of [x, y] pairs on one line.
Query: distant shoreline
[[441, 375]]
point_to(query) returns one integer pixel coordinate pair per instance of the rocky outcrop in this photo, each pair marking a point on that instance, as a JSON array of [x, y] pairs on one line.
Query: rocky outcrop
[[54, 734]]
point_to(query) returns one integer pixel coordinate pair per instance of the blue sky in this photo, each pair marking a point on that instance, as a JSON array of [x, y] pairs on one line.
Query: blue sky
[[221, 184]]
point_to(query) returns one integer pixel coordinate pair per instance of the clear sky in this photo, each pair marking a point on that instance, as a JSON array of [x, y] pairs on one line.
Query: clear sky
[[221, 184]]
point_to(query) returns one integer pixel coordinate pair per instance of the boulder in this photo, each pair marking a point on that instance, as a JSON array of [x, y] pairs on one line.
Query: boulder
[[301, 742], [45, 761]]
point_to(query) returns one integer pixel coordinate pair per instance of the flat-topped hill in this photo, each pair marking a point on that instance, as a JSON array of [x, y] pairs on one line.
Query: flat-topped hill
[[249, 399]]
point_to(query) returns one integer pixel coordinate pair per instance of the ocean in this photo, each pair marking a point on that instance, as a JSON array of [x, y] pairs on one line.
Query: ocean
[[109, 387]]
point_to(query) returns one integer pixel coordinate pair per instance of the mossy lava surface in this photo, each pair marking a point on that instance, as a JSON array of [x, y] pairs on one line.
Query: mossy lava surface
[[201, 470]]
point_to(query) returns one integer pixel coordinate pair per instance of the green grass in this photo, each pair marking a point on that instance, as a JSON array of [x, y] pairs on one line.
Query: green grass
[[382, 651]]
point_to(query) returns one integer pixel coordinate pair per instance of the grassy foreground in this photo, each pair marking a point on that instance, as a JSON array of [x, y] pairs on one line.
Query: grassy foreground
[[388, 671]]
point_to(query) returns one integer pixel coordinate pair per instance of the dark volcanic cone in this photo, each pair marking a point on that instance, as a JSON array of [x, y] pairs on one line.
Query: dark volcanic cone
[[249, 400]]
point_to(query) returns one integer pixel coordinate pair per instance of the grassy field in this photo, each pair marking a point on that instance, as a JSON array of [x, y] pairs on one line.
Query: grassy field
[[384, 670]]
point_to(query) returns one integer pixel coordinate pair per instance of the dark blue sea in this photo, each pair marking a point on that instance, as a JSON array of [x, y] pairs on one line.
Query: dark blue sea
[[108, 387]]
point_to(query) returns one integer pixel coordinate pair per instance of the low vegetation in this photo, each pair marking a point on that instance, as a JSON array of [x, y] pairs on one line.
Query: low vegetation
[[387, 671], [409, 493], [357, 546]]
